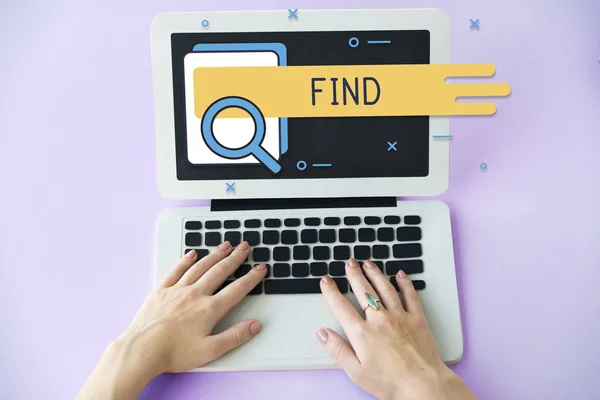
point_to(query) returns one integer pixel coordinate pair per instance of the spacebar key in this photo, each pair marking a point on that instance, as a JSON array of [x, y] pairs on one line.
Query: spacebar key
[[300, 286]]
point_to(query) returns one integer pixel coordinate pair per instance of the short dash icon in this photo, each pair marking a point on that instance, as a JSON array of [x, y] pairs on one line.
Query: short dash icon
[[379, 41]]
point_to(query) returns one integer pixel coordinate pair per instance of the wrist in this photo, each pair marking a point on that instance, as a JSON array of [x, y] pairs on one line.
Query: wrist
[[454, 388], [122, 372], [443, 384], [130, 365]]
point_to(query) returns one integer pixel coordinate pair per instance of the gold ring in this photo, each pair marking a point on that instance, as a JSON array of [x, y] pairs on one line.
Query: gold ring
[[371, 302]]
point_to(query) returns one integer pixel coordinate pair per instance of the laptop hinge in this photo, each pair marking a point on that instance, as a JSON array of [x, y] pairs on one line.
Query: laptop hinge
[[283, 204]]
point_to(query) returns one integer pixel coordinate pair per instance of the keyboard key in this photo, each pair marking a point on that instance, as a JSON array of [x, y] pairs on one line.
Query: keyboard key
[[272, 223], [271, 237], [252, 223], [193, 239], [411, 250], [299, 286], [193, 225], [308, 236], [412, 220], [213, 224], [419, 285], [352, 221], [252, 237], [313, 221], [372, 220], [385, 234], [392, 220], [281, 254], [243, 270], [366, 234], [301, 252], [321, 253], [300, 270], [381, 251], [341, 253], [347, 235], [231, 224], [291, 222], [318, 269], [337, 268], [327, 235], [408, 234], [362, 252], [379, 264], [332, 221], [234, 238], [289, 237], [261, 254], [201, 253], [213, 239], [408, 266], [281, 270]]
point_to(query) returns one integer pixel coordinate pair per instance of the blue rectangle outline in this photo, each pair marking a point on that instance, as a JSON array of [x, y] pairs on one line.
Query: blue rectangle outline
[[278, 48]]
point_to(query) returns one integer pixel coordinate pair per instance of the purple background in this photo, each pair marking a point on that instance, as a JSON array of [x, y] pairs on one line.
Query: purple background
[[79, 199]]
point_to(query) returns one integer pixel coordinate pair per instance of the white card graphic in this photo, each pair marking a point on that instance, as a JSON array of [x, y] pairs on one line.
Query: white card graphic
[[229, 132]]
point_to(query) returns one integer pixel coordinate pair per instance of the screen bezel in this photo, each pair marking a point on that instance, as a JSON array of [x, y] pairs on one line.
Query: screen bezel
[[166, 24]]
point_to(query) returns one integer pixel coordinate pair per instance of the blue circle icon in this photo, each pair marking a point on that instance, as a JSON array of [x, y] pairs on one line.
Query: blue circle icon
[[483, 166], [301, 165], [253, 148], [205, 23], [353, 42]]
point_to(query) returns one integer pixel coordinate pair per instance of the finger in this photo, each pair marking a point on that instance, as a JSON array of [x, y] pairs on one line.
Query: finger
[[203, 265], [360, 284], [342, 309], [236, 291], [409, 294], [177, 272], [217, 274], [387, 291], [232, 337], [339, 350]]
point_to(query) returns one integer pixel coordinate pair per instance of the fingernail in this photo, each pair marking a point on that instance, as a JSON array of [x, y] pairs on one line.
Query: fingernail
[[401, 274], [369, 264], [327, 279], [243, 246], [352, 263], [225, 245], [255, 327], [322, 335], [261, 267], [191, 254]]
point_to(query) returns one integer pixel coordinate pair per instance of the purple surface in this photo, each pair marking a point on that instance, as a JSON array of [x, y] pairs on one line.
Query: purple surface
[[79, 199]]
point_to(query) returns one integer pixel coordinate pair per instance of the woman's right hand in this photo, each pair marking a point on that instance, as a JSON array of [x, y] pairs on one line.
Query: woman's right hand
[[392, 352]]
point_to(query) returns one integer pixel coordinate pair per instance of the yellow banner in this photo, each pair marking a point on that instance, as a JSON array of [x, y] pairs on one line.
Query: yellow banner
[[348, 90]]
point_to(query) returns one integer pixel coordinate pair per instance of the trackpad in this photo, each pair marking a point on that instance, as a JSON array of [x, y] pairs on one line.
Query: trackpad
[[288, 337]]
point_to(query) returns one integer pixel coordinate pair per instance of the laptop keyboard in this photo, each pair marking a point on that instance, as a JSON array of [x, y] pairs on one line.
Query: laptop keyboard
[[300, 251]]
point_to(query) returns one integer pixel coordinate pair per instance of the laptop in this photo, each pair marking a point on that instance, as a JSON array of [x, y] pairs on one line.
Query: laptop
[[307, 193]]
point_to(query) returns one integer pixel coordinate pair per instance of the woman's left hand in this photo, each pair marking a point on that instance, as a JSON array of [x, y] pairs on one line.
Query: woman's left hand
[[172, 330]]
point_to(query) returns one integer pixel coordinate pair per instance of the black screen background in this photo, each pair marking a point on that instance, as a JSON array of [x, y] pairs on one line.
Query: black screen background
[[355, 146]]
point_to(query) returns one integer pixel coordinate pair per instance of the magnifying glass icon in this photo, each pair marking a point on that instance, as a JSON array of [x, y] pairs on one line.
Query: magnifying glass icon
[[253, 147]]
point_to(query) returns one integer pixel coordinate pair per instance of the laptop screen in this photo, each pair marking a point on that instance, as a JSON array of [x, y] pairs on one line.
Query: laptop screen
[[215, 147]]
